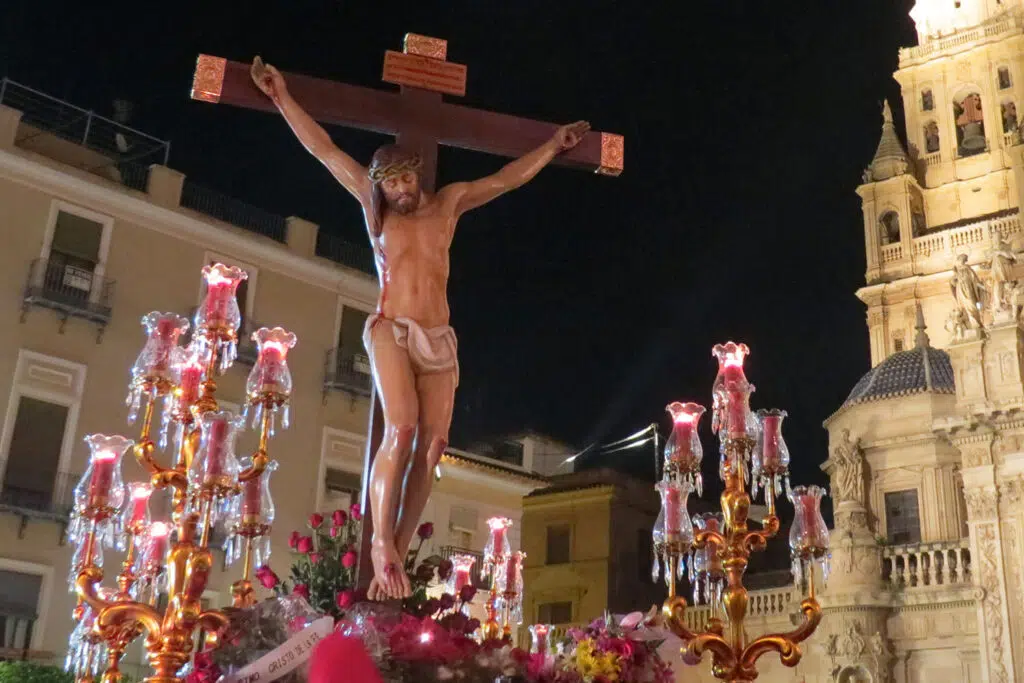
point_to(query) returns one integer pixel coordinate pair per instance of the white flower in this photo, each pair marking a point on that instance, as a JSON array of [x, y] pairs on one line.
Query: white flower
[[444, 673]]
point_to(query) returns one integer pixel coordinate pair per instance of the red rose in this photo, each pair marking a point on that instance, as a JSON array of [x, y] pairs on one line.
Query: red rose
[[339, 517], [345, 598], [348, 560], [293, 540], [444, 569], [356, 512], [447, 601], [335, 531], [467, 592], [472, 625], [302, 590], [426, 530], [315, 520], [305, 544], [267, 577], [314, 557]]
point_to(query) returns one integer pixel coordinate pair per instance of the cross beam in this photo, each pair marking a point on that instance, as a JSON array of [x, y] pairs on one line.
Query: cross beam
[[410, 112]]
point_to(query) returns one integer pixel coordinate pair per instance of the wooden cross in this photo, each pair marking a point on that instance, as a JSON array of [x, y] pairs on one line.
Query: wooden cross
[[420, 119]]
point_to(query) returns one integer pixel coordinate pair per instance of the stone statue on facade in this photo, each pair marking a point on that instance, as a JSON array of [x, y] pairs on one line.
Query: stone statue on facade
[[848, 470], [956, 324], [1003, 282], [968, 292]]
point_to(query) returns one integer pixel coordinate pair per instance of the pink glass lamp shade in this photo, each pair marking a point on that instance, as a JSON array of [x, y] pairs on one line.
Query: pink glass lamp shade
[[252, 515], [510, 578], [673, 531], [683, 451], [731, 417], [539, 642], [706, 572], [808, 537], [151, 560], [215, 468], [270, 381], [218, 316], [497, 547], [771, 454], [135, 518], [101, 487], [462, 574], [153, 373]]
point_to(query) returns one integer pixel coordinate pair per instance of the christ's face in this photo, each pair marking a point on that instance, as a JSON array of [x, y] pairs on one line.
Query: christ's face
[[402, 192]]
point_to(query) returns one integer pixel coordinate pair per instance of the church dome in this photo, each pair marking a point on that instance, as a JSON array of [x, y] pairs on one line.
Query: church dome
[[919, 370]]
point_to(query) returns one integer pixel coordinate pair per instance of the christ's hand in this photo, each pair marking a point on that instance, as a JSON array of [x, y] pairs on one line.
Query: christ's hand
[[567, 137], [268, 79]]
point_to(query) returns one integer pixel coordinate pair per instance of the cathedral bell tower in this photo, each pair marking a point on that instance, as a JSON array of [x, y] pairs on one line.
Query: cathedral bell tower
[[955, 187]]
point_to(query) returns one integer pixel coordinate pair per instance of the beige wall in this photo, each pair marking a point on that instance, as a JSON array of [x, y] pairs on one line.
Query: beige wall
[[156, 266]]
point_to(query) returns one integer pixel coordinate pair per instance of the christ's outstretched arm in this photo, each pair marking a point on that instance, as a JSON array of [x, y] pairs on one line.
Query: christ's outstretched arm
[[466, 196], [349, 172]]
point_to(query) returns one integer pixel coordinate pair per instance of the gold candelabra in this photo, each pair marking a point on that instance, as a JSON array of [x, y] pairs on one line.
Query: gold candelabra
[[505, 569], [207, 482], [719, 549]]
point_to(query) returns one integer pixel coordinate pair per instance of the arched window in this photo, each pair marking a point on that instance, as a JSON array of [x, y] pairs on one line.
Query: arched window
[[889, 228], [927, 101], [1004, 77], [1008, 110], [970, 124], [931, 137]]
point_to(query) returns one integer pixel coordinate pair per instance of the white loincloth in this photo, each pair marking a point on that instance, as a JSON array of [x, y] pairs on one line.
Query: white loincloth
[[431, 351]]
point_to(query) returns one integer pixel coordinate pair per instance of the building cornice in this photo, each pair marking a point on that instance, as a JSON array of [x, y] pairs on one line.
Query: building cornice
[[475, 472], [135, 207]]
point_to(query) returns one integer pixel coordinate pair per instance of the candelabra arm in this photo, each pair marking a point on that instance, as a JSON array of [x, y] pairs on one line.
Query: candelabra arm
[[144, 455], [786, 644], [770, 526], [168, 477], [214, 622], [259, 463], [673, 611], [129, 614], [85, 588], [702, 538], [721, 652], [259, 459]]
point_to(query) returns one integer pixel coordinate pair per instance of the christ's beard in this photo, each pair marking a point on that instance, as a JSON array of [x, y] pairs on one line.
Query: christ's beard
[[405, 204]]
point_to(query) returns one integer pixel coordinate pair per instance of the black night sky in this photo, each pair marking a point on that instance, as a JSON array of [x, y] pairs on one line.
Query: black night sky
[[583, 304]]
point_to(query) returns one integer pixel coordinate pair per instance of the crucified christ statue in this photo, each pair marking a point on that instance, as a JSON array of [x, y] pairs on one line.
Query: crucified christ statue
[[412, 347]]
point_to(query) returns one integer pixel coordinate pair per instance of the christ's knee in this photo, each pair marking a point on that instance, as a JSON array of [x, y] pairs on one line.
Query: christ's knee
[[399, 441]]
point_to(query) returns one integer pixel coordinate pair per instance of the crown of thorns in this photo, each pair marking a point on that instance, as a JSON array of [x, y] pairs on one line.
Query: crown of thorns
[[395, 168]]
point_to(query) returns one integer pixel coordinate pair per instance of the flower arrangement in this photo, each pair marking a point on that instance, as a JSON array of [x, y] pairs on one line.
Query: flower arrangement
[[437, 649], [324, 563]]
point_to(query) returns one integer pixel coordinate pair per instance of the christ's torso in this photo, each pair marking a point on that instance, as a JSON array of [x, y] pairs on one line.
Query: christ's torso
[[412, 260]]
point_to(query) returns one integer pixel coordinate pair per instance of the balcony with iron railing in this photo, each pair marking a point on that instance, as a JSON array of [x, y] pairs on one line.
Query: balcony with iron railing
[[34, 492], [480, 582], [340, 250], [70, 291], [347, 371], [234, 211], [117, 151]]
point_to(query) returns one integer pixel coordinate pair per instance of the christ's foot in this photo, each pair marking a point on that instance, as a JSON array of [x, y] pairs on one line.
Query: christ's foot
[[388, 571]]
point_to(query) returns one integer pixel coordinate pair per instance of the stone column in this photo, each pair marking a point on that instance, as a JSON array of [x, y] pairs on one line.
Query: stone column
[[988, 573], [164, 186], [1011, 514], [855, 605], [301, 236], [9, 121]]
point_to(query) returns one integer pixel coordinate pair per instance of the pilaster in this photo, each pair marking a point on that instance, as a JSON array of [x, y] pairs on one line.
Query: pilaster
[[988, 570]]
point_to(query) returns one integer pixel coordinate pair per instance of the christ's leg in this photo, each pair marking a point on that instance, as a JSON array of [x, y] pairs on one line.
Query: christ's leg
[[436, 398], [396, 386]]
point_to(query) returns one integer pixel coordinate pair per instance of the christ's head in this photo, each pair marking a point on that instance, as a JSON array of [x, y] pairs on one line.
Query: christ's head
[[395, 174]]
